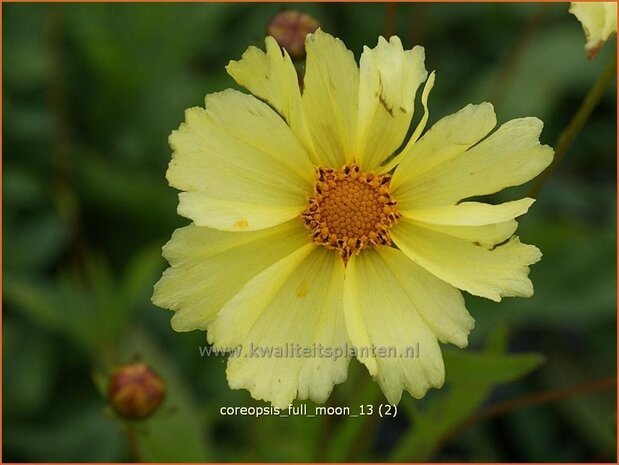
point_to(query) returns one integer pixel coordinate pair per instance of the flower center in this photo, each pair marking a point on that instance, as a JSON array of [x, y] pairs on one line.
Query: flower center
[[350, 210]]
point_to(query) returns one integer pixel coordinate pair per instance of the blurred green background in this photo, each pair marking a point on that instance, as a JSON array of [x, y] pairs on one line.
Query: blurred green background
[[90, 95]]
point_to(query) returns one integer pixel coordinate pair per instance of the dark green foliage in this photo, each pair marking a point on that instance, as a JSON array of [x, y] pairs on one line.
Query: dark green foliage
[[91, 93]]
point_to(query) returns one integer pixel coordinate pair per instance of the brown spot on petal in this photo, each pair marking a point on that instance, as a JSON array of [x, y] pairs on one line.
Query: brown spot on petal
[[302, 289]]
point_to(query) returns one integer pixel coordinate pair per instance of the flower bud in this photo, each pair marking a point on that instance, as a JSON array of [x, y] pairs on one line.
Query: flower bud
[[135, 391], [289, 29]]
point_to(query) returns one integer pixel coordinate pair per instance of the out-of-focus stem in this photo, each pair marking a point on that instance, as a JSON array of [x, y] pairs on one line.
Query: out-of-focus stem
[[418, 24], [577, 122], [534, 399], [517, 53], [390, 19], [133, 443], [64, 194], [363, 438]]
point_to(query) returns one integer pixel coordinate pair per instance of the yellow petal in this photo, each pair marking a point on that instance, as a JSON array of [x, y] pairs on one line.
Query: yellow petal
[[439, 304], [389, 78], [487, 235], [208, 267], [470, 213], [273, 77], [380, 313], [449, 137], [330, 97], [238, 153], [296, 303], [231, 215], [501, 272], [477, 222], [599, 21], [509, 157], [395, 161]]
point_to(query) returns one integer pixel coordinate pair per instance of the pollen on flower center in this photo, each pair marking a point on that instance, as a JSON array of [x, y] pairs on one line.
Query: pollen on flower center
[[350, 210]]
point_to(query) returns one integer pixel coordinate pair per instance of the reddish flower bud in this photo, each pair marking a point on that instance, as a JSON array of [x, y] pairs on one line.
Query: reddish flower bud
[[135, 391], [289, 29]]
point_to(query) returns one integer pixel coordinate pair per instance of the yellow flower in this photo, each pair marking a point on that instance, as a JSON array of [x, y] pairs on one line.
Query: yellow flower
[[301, 236], [599, 20]]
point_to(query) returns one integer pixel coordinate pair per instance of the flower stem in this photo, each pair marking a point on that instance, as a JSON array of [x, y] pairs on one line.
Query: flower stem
[[543, 397], [577, 122], [133, 443], [517, 52], [390, 19]]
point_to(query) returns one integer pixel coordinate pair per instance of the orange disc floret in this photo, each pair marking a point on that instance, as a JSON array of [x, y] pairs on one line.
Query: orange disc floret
[[350, 210]]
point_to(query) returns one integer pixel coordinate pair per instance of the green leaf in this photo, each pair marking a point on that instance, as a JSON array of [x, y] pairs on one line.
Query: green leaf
[[470, 377], [481, 368], [140, 275], [448, 409], [92, 307], [31, 366], [350, 436], [33, 244]]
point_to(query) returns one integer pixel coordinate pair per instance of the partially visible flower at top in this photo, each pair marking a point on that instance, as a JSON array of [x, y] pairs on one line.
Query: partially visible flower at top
[[318, 223], [599, 20], [135, 391], [289, 28]]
